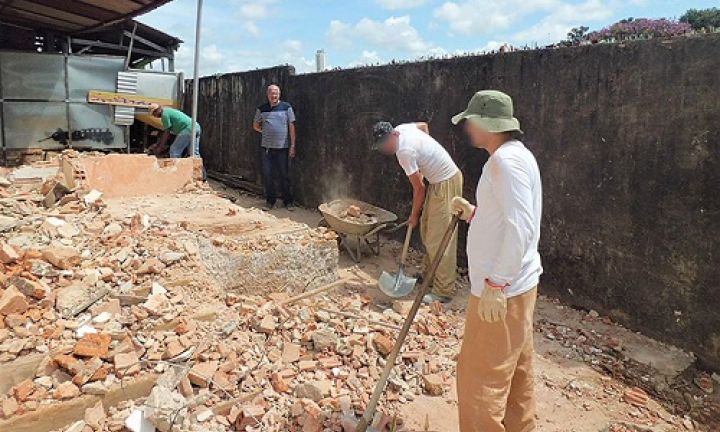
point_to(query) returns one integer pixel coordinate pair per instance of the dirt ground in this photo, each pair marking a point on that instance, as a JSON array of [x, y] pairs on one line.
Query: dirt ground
[[584, 363]]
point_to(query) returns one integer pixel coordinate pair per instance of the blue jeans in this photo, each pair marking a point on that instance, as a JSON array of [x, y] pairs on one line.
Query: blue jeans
[[181, 143], [275, 163]]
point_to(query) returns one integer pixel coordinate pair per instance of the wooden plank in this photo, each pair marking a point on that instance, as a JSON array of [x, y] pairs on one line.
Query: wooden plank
[[57, 416], [124, 99]]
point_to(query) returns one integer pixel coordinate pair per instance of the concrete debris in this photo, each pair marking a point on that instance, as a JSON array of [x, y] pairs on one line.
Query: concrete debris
[[433, 384], [136, 422], [95, 416], [324, 339], [165, 408], [216, 309], [309, 391]]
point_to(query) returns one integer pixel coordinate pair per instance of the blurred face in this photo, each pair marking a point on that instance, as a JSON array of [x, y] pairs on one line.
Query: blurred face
[[390, 146], [273, 94], [158, 112], [479, 137]]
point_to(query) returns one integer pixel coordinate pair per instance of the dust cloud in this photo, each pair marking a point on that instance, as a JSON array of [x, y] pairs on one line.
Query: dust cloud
[[335, 183]]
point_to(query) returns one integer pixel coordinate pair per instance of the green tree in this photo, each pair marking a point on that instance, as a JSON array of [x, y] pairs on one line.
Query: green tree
[[576, 35], [702, 18]]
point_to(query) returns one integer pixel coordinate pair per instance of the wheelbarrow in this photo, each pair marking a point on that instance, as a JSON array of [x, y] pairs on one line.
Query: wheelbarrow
[[358, 234]]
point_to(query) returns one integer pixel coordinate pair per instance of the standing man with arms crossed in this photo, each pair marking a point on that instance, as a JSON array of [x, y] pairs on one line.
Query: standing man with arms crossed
[[495, 366], [275, 120], [422, 157]]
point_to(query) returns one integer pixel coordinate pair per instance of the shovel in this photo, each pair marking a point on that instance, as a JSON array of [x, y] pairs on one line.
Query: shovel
[[390, 360], [398, 285]]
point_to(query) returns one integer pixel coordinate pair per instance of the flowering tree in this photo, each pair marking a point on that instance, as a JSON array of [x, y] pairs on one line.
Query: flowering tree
[[640, 28]]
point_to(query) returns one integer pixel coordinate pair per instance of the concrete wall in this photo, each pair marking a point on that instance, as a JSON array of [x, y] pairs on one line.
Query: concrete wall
[[628, 141]]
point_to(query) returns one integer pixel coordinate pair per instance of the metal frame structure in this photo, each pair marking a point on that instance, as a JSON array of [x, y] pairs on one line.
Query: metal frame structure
[[196, 78], [73, 17]]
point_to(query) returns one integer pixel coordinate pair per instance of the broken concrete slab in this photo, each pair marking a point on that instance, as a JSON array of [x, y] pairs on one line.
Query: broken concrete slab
[[129, 175]]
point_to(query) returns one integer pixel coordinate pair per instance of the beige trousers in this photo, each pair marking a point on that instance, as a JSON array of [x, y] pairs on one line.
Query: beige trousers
[[436, 216], [495, 369]]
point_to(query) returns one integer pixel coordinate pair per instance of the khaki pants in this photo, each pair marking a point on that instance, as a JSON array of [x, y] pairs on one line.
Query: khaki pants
[[495, 372], [436, 216]]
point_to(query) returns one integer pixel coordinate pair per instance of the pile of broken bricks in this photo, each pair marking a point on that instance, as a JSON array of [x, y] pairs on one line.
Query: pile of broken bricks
[[105, 303]]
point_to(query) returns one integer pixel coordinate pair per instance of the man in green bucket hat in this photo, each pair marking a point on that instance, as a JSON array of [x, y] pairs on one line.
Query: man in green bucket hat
[[495, 372]]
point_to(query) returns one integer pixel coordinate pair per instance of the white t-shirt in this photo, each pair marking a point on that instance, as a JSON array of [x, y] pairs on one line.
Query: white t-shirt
[[502, 242], [419, 151]]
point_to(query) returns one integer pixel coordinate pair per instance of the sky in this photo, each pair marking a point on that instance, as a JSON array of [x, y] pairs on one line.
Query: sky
[[239, 35]]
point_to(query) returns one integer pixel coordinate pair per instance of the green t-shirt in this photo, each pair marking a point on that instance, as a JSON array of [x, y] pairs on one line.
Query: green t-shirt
[[176, 121]]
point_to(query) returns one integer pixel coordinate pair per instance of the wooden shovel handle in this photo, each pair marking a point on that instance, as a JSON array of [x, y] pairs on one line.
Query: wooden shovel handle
[[406, 245], [392, 356]]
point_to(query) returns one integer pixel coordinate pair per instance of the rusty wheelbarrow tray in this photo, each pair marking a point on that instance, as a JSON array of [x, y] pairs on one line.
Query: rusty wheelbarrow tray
[[366, 235]]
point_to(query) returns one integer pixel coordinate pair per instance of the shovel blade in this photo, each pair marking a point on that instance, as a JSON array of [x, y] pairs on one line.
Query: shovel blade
[[396, 285]]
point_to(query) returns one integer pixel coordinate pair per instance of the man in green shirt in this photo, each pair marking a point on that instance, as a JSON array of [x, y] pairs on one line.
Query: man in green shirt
[[179, 124]]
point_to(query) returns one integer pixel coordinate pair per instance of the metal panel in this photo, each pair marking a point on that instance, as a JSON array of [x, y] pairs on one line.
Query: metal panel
[[92, 126], [33, 76], [126, 83], [87, 73], [28, 124], [158, 84]]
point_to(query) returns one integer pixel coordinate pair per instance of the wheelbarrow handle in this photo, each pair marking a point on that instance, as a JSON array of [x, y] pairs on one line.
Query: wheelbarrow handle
[[396, 227]]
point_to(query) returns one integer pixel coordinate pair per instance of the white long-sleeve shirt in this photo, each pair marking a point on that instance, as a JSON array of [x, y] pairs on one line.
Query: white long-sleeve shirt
[[502, 242]]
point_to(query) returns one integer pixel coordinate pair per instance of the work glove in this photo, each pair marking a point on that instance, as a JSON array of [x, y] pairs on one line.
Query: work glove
[[492, 306], [463, 208]]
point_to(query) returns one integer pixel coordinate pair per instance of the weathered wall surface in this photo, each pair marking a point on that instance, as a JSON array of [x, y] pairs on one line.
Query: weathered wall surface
[[627, 138]]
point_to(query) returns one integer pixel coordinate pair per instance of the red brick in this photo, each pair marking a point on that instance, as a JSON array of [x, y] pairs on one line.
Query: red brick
[[23, 390], [126, 363], [249, 416], [201, 373], [93, 345], [8, 254], [29, 288], [279, 383], [383, 344], [66, 390], [12, 301], [62, 257]]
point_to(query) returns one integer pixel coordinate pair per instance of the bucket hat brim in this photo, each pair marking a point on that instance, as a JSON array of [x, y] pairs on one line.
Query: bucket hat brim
[[490, 124]]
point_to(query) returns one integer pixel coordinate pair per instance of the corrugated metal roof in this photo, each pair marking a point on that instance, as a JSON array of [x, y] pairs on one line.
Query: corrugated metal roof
[[73, 16]]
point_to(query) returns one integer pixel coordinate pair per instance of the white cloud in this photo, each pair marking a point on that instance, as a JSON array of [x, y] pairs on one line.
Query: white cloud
[[400, 4], [293, 54], [340, 34], [251, 12], [254, 11], [556, 25], [252, 28], [367, 58], [471, 17], [394, 33], [212, 59]]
